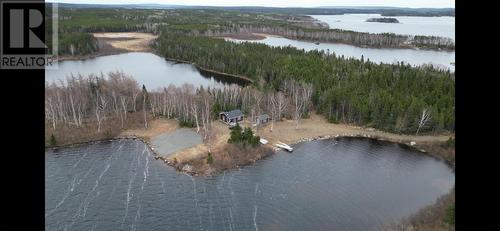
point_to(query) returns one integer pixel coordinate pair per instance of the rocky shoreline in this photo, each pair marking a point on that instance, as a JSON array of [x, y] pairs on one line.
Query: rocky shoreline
[[191, 170]]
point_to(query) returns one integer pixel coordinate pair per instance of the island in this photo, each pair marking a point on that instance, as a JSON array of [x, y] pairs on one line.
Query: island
[[383, 20]]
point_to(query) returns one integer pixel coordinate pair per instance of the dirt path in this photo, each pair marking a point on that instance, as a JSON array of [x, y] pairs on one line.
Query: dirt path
[[317, 126], [156, 127]]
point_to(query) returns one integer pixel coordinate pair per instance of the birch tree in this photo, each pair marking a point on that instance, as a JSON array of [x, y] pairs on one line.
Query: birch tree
[[144, 105], [423, 119]]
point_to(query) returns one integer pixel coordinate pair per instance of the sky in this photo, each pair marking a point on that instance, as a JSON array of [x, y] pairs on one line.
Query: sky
[[281, 3]]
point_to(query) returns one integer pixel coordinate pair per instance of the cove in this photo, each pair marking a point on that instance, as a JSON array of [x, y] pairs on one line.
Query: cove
[[334, 184]]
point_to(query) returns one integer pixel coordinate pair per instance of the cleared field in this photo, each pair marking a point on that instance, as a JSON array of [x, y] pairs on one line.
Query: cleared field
[[130, 41]]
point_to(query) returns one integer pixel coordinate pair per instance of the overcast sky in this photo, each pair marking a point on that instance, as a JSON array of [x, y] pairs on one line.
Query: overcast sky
[[282, 3]]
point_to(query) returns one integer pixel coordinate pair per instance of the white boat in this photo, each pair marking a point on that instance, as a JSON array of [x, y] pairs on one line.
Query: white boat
[[284, 146]]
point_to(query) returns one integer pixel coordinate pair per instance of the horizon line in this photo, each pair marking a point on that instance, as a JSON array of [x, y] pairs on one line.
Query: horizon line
[[167, 4]]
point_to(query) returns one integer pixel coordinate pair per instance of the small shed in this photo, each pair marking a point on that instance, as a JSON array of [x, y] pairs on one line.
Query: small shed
[[231, 116], [262, 119]]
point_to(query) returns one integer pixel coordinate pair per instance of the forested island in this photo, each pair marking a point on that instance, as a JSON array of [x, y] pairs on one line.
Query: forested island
[[383, 20]]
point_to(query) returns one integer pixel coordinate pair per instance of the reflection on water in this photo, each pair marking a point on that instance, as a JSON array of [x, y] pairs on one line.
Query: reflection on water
[[147, 68], [408, 25], [442, 59], [344, 184]]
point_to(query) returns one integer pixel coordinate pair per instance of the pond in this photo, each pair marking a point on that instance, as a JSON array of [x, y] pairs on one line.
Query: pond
[[408, 25], [149, 69], [343, 184], [441, 59]]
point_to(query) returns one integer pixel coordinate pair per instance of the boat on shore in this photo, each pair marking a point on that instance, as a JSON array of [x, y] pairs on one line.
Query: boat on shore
[[283, 146]]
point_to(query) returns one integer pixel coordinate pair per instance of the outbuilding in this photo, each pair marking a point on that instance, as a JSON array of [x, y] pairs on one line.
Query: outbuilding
[[262, 119], [231, 116]]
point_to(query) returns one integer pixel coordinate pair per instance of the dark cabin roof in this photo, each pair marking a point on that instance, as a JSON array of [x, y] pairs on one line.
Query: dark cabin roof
[[233, 113], [263, 117]]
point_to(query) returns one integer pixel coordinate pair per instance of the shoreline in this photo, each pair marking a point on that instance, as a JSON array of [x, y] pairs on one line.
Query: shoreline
[[88, 56], [245, 78], [265, 35], [166, 160], [198, 152]]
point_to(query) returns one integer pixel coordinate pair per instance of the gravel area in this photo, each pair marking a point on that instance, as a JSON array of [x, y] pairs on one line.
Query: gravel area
[[169, 143]]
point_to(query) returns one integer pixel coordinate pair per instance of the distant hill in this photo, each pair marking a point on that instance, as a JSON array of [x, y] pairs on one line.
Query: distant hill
[[324, 10]]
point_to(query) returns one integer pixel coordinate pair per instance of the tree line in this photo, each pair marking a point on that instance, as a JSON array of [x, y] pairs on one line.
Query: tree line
[[97, 101], [363, 39], [390, 97]]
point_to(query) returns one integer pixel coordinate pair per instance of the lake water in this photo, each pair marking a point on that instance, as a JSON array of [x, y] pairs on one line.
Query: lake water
[[344, 184], [442, 59], [408, 25], [147, 68]]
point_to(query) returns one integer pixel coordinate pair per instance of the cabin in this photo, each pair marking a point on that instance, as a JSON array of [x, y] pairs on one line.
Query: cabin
[[231, 116], [262, 119]]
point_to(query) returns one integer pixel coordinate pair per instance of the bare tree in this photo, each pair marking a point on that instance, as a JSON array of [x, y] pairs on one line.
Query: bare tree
[[424, 118], [100, 110], [272, 107], [194, 112], [298, 105], [123, 116], [206, 112], [144, 105], [281, 104]]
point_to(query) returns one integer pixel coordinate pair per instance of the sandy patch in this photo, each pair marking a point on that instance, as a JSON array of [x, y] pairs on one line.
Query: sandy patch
[[156, 127], [130, 41]]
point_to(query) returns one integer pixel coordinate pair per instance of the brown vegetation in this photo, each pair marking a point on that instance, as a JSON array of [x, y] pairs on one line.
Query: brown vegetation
[[68, 134], [317, 126], [226, 156], [431, 218], [439, 149], [156, 127], [128, 41], [116, 43]]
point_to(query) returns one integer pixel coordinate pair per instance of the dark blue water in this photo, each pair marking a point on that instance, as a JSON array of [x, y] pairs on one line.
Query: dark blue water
[[348, 184]]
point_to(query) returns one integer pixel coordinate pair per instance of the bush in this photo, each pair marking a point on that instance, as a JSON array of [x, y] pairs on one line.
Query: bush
[[210, 158], [186, 124], [108, 134], [53, 141], [450, 215], [235, 134], [450, 142], [333, 120], [246, 137]]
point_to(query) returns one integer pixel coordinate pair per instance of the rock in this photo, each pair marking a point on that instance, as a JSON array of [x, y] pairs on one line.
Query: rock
[[412, 143], [187, 168]]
